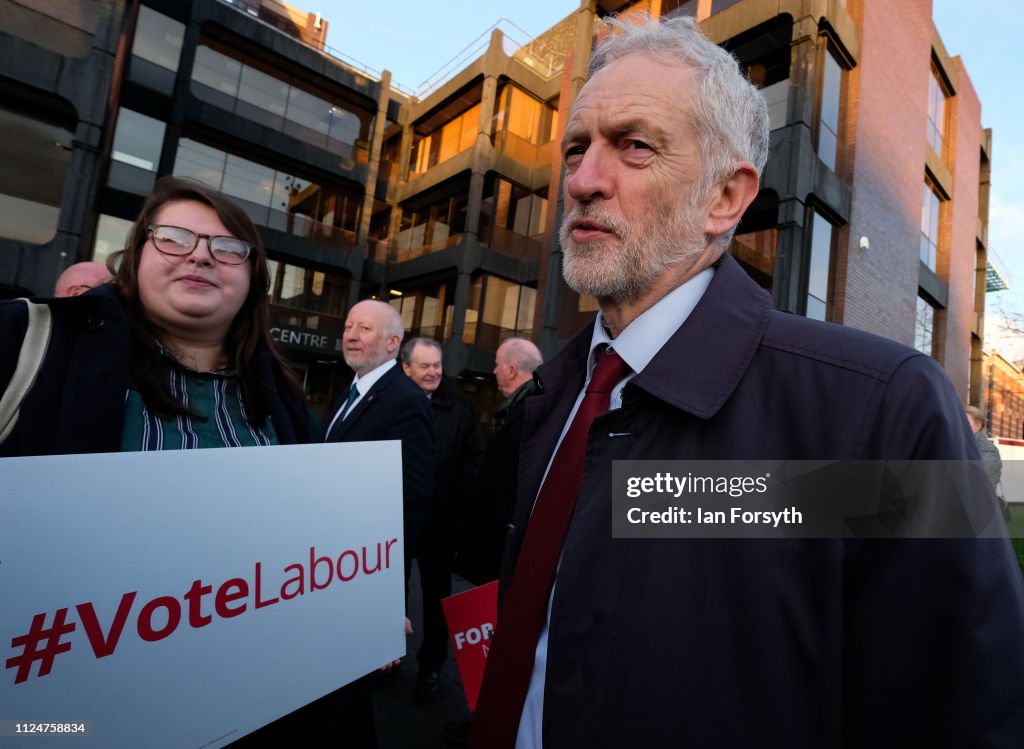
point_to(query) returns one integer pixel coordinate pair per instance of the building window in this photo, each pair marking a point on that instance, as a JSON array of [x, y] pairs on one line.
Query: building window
[[828, 120], [755, 252], [767, 67], [65, 28], [924, 325], [111, 236], [498, 309], [35, 155], [451, 139], [240, 87], [717, 6], [512, 219], [936, 130], [523, 127], [138, 140], [432, 228], [930, 205], [158, 39], [272, 198], [426, 311], [819, 261], [299, 288]]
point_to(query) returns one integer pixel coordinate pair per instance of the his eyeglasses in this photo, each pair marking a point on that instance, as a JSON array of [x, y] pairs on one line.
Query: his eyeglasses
[[174, 240]]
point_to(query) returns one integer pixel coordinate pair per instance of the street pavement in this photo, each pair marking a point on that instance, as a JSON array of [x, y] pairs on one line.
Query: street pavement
[[401, 722]]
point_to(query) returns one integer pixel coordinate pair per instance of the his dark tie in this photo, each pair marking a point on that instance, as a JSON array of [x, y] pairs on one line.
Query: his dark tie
[[524, 610], [353, 393]]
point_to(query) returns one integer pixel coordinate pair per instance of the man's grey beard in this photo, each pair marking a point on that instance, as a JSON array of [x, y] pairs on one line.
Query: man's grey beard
[[625, 272]]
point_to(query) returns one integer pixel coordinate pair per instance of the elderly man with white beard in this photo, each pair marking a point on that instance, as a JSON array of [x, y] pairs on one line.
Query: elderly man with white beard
[[616, 642]]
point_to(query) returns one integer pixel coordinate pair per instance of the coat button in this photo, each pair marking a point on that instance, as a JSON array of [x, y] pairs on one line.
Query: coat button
[[95, 322]]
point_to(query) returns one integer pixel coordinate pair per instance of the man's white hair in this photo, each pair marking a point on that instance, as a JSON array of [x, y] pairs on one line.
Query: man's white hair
[[730, 117]]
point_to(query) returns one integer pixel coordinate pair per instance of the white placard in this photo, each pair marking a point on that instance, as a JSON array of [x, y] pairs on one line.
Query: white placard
[[245, 583]]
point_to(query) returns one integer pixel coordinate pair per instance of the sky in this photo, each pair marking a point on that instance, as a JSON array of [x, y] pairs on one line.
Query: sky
[[984, 34], [417, 41]]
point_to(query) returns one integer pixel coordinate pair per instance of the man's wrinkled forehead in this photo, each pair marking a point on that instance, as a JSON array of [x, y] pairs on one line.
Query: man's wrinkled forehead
[[367, 311], [616, 93]]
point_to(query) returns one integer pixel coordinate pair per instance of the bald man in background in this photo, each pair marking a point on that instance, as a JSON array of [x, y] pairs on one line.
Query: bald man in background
[[480, 550], [79, 278]]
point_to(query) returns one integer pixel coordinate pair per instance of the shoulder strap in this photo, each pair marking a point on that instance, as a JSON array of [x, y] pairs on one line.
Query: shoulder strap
[[33, 350]]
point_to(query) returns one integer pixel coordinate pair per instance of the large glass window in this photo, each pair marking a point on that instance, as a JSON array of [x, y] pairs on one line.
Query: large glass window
[[35, 155], [282, 201], [828, 121], [523, 126], [426, 311], [930, 204], [432, 228], [241, 87], [138, 140], [300, 288], [768, 69], [498, 309], [158, 39], [819, 260], [924, 325], [111, 236], [936, 130], [512, 219], [62, 27], [755, 251], [451, 139]]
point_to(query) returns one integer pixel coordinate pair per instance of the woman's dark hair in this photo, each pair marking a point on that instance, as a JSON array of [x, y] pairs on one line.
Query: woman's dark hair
[[249, 331]]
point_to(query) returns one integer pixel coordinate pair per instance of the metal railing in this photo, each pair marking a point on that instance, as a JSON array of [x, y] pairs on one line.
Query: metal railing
[[547, 63], [252, 8]]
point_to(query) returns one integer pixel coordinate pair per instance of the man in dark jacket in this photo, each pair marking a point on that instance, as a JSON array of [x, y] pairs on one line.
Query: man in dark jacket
[[458, 449], [660, 642], [488, 516]]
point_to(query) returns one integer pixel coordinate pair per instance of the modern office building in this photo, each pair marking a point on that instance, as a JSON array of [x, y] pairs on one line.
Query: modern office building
[[873, 209], [1004, 396]]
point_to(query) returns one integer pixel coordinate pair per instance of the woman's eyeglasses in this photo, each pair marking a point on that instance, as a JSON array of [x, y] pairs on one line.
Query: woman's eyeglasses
[[174, 240]]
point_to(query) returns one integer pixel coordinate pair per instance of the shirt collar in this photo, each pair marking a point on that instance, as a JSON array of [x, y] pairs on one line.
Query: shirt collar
[[647, 334], [364, 383]]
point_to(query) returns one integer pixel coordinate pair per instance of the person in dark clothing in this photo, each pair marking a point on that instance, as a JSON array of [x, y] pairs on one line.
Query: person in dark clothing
[[989, 456], [482, 540], [988, 451], [767, 642], [175, 353], [458, 450], [127, 363]]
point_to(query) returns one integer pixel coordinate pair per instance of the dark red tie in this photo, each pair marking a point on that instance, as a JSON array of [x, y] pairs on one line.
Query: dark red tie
[[524, 610]]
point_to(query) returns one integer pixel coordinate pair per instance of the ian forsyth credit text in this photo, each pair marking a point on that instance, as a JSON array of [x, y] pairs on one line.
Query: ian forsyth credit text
[[689, 483]]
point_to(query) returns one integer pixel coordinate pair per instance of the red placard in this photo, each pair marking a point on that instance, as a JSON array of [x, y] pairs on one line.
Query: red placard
[[471, 616]]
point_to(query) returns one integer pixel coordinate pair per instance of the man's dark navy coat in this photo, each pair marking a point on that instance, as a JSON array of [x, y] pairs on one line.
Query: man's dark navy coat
[[772, 643], [396, 409]]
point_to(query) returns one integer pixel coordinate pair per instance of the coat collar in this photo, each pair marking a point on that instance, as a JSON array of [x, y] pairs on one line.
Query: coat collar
[[702, 363], [366, 402]]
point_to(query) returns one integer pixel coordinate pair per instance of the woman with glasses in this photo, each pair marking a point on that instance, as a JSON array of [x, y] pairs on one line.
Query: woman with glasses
[[175, 353]]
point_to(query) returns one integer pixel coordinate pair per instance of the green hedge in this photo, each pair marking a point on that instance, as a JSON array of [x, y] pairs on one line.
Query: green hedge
[[1016, 528]]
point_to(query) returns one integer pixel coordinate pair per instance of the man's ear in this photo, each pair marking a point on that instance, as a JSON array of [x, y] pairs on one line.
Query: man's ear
[[731, 198], [407, 369]]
